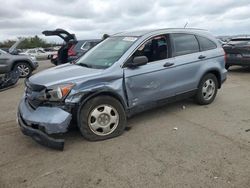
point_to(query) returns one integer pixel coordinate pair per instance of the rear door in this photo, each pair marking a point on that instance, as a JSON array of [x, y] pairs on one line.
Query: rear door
[[187, 61]]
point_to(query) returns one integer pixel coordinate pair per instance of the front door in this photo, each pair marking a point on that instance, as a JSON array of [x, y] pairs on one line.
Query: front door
[[153, 81]]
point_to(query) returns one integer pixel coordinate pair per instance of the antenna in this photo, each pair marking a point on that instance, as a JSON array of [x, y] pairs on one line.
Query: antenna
[[185, 25]]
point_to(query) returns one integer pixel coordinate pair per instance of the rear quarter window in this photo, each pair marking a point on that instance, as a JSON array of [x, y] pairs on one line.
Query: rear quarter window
[[206, 44], [184, 44]]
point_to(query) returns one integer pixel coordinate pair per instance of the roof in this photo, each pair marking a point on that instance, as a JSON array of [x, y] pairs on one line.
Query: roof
[[153, 31]]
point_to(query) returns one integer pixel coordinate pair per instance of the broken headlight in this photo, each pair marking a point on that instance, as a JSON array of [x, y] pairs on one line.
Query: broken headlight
[[58, 92]]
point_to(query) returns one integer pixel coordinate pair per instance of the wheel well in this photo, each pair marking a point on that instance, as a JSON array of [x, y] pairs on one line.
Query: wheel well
[[20, 61], [91, 95], [217, 74], [104, 93]]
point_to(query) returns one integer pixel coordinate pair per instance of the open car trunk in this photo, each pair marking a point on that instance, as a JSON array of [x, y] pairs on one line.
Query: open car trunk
[[69, 40]]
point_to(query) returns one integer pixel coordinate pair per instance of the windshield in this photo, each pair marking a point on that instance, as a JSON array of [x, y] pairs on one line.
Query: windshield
[[106, 53]]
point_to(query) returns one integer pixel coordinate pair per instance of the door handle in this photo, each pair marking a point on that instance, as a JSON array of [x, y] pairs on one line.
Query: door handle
[[201, 57], [168, 64]]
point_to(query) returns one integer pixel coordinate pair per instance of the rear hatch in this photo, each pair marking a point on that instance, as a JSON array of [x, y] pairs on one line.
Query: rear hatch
[[65, 35], [238, 47], [66, 50]]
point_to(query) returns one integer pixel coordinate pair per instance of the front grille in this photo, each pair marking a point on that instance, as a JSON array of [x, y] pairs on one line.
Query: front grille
[[34, 103], [34, 87], [32, 92]]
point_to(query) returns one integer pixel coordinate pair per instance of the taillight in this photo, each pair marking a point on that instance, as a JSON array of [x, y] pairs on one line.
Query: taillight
[[71, 51]]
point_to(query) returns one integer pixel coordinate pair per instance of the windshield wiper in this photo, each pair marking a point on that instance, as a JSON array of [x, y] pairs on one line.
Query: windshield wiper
[[84, 65]]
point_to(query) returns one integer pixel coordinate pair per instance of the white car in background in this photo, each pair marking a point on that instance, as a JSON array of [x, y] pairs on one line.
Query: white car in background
[[39, 53]]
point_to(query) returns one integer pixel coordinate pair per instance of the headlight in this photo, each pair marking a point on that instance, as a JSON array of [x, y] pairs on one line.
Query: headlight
[[58, 93]]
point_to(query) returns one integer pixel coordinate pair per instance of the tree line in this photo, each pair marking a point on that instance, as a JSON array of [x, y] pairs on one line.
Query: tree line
[[29, 42]]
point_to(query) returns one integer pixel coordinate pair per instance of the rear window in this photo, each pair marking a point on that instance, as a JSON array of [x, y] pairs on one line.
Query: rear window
[[206, 44], [239, 41], [185, 44]]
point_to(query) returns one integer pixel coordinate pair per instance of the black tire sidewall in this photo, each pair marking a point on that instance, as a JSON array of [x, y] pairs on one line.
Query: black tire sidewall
[[86, 108], [199, 97]]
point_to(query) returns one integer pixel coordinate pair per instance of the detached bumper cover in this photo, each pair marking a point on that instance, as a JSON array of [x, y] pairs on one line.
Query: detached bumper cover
[[42, 122]]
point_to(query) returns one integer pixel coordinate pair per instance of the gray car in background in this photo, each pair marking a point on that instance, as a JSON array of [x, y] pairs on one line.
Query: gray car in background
[[24, 64], [125, 74]]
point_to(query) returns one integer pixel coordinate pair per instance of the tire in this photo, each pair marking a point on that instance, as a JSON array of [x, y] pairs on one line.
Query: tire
[[101, 118], [24, 68], [207, 89]]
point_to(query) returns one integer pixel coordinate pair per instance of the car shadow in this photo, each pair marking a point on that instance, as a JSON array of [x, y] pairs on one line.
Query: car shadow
[[163, 110], [74, 135], [238, 69]]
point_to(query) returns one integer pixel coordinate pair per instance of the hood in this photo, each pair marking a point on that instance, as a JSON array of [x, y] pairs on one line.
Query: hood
[[17, 57], [63, 74]]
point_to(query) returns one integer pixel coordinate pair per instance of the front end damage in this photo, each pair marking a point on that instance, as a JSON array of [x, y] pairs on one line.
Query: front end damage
[[43, 123]]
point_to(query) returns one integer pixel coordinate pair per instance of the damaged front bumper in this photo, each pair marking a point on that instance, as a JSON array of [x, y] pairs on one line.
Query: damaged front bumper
[[43, 122]]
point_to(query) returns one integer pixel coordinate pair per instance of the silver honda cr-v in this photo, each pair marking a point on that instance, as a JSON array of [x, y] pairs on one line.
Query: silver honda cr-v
[[123, 75]]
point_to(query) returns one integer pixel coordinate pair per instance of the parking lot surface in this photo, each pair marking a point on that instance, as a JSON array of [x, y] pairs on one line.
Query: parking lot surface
[[178, 145]]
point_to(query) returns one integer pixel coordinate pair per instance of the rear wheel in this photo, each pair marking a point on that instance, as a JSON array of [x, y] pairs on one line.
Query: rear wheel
[[24, 69], [101, 118], [207, 89]]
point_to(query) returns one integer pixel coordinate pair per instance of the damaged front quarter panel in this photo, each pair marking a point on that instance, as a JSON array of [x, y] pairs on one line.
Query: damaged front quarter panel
[[112, 85]]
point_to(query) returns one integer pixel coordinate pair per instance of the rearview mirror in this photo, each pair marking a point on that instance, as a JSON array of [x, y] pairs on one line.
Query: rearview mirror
[[138, 61]]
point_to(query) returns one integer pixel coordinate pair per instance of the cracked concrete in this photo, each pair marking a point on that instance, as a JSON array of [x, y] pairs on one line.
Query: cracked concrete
[[210, 148]]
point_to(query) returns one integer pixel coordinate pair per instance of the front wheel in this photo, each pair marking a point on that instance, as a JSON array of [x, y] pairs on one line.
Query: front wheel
[[24, 69], [207, 89], [101, 118]]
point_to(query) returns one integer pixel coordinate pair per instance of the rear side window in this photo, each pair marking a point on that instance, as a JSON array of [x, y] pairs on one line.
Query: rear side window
[[206, 44], [185, 44]]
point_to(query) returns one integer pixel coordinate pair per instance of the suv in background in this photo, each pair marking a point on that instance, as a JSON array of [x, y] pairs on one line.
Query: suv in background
[[24, 64], [71, 49], [237, 52], [123, 75], [80, 48]]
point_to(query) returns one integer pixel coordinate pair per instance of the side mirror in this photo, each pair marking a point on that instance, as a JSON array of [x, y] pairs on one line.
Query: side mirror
[[138, 61]]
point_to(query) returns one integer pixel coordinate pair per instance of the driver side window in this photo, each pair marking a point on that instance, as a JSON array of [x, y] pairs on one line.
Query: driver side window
[[154, 49]]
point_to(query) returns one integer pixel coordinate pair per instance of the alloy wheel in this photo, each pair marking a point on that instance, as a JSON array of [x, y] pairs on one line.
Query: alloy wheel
[[24, 70], [103, 120], [208, 89]]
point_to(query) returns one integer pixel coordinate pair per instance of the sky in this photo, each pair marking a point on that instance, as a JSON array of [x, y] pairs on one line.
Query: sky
[[93, 18]]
